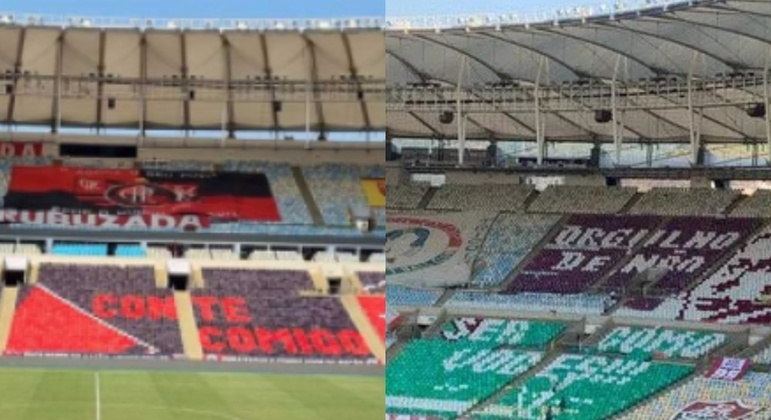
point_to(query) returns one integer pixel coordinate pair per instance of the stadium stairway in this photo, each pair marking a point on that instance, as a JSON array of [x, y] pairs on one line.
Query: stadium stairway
[[597, 286], [187, 325], [368, 333], [555, 229], [427, 197], [631, 203], [519, 380], [675, 385], [7, 309], [305, 191]]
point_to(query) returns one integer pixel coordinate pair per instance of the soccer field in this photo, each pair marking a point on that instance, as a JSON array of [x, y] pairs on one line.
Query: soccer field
[[40, 394]]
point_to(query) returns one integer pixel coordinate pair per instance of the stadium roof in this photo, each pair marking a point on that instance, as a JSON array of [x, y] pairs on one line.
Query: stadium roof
[[722, 47], [175, 74]]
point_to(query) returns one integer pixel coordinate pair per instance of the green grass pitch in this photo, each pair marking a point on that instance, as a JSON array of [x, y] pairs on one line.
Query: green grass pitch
[[40, 394]]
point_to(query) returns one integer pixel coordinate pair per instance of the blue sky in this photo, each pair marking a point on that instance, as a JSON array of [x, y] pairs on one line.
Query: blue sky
[[451, 7], [199, 8]]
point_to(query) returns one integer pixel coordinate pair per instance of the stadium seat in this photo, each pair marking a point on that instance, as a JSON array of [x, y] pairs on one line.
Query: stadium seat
[[668, 342], [82, 250], [704, 395], [508, 197], [684, 202], [588, 387], [406, 296], [130, 250], [566, 199], [259, 314], [95, 309]]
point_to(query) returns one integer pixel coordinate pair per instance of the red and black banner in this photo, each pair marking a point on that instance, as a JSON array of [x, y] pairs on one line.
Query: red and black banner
[[215, 196]]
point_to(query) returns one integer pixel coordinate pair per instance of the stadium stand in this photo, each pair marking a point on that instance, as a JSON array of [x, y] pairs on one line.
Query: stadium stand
[[746, 398], [733, 294], [511, 237], [763, 357], [756, 205], [73, 249], [694, 242], [588, 387], [337, 190], [407, 296], [259, 314], [646, 231], [585, 249], [684, 202], [563, 199], [668, 342], [469, 360], [508, 197], [95, 310], [536, 302], [405, 196]]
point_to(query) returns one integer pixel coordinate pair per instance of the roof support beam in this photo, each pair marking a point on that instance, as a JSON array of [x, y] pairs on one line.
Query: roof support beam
[[767, 102], [142, 86], [424, 78], [619, 26], [16, 74], [541, 53], [230, 125], [693, 130], [540, 140], [56, 110], [355, 76], [100, 81], [314, 82], [185, 76], [499, 74], [424, 123], [274, 105]]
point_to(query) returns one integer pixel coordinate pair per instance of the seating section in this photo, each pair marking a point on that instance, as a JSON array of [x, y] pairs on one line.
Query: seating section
[[661, 341], [704, 398], [584, 387], [510, 239], [93, 309], [374, 308], [130, 250], [430, 250], [158, 253], [764, 357], [735, 293], [685, 202], [216, 254], [338, 190], [585, 249], [262, 255], [282, 183], [19, 249], [259, 314], [372, 281], [564, 199], [680, 251], [756, 205], [408, 296], [508, 197], [528, 334], [535, 302], [470, 360], [405, 196], [81, 250]]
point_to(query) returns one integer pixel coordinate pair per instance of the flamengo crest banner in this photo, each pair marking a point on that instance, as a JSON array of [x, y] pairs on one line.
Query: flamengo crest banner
[[58, 195], [728, 369]]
